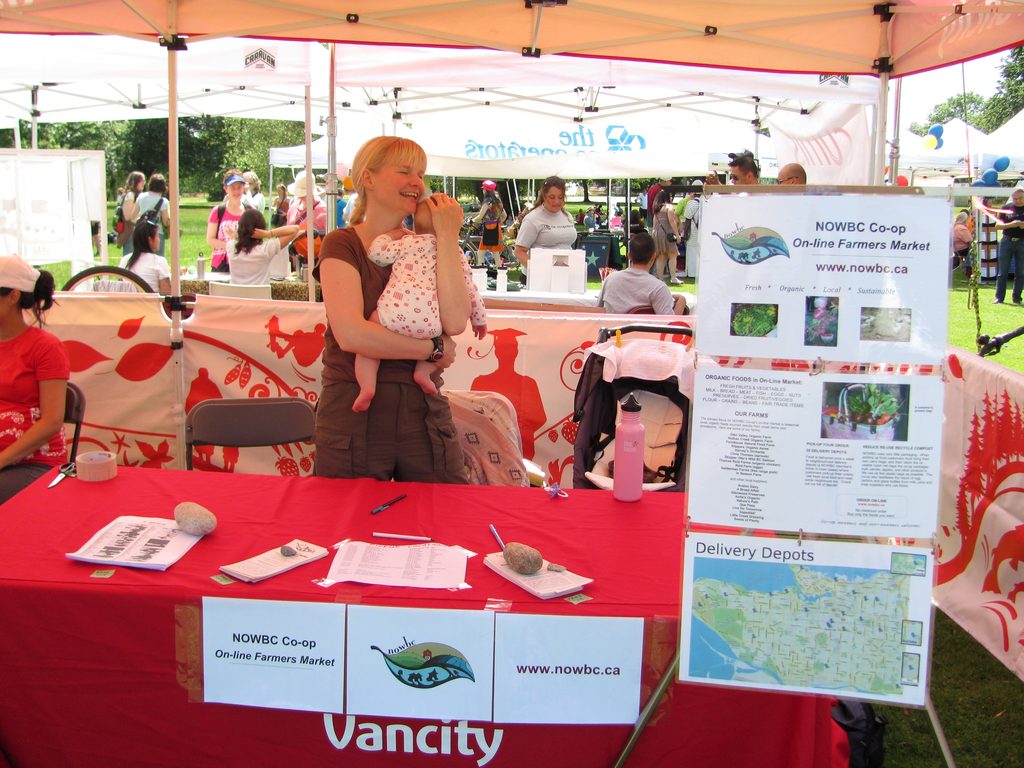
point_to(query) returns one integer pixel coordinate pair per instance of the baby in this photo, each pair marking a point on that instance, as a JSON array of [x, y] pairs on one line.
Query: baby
[[408, 304]]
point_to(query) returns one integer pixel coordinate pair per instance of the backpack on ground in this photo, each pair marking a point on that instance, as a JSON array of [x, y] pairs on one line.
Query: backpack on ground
[[865, 729]]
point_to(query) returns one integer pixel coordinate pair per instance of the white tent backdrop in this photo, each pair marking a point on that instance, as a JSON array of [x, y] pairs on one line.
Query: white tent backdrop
[[492, 113], [89, 78]]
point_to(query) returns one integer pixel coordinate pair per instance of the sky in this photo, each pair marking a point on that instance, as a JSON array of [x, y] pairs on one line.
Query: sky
[[922, 92]]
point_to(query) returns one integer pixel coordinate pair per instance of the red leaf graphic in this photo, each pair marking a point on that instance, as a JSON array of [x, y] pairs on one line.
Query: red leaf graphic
[[954, 367], [82, 356], [129, 328], [233, 374], [143, 361], [243, 380], [155, 457]]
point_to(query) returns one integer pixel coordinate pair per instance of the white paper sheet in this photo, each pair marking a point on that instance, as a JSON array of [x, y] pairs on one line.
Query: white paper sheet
[[140, 542], [431, 566]]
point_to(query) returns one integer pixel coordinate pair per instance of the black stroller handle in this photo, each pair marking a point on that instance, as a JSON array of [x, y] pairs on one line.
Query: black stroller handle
[[672, 330], [990, 345]]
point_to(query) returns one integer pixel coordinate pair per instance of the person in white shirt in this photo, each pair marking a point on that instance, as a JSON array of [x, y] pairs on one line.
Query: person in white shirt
[[636, 288], [252, 190], [548, 225], [144, 261], [259, 254]]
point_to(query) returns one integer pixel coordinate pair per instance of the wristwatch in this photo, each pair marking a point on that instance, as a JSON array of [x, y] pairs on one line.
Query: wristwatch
[[438, 352]]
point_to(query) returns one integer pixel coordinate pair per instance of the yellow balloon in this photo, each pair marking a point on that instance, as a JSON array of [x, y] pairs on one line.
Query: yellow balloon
[[930, 142]]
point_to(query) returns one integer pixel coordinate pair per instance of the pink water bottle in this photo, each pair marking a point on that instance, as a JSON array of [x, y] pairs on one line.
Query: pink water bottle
[[629, 453]]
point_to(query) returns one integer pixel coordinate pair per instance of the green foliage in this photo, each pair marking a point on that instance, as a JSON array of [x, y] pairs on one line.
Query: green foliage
[[984, 114], [968, 107], [1009, 96]]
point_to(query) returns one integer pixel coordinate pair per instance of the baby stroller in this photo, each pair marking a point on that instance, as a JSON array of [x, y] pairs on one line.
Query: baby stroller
[[660, 374]]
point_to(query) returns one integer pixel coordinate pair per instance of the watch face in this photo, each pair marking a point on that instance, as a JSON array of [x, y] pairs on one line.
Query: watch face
[[438, 352]]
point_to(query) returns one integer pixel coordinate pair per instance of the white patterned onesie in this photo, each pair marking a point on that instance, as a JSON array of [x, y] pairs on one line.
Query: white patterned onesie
[[408, 304]]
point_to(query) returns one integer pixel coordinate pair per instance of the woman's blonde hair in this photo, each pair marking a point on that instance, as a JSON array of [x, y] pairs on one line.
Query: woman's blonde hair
[[378, 153]]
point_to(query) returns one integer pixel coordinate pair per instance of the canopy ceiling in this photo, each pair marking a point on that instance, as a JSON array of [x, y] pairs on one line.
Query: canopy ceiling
[[812, 36], [91, 78]]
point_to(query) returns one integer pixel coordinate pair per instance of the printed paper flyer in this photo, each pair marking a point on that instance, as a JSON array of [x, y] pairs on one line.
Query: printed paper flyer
[[851, 277], [844, 619], [829, 453]]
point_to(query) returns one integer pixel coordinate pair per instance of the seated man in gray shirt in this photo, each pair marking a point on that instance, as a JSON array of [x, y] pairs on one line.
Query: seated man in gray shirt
[[634, 287]]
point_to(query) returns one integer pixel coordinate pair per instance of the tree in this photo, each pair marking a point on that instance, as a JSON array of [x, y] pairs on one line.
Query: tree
[[248, 144], [1008, 99], [969, 107]]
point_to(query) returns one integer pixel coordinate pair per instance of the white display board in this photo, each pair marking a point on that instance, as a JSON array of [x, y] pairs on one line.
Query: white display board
[[556, 669], [274, 653], [416, 662], [790, 450], [560, 270], [48, 201], [840, 619], [845, 277]]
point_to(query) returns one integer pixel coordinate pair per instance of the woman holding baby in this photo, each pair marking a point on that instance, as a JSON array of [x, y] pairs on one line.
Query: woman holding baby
[[404, 433]]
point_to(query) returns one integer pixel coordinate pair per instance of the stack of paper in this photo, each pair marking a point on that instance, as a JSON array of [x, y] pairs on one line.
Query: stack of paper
[[140, 542], [275, 561], [544, 583]]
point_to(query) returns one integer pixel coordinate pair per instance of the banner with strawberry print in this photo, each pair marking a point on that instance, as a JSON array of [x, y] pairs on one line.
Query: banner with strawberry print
[[249, 348], [120, 350]]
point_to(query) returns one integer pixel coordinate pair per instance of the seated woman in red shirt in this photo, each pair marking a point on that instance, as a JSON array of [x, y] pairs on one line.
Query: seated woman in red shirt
[[33, 379]]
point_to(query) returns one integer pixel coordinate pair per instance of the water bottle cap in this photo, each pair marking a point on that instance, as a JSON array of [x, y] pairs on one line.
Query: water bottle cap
[[632, 405]]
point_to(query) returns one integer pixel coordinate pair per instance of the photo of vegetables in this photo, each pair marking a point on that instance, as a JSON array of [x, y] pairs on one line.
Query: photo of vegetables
[[753, 319], [865, 411]]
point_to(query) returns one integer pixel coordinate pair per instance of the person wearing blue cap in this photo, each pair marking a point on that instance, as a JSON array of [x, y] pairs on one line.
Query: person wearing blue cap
[[223, 222]]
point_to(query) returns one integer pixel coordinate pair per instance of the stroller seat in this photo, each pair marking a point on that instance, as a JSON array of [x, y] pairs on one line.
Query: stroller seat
[[660, 373]]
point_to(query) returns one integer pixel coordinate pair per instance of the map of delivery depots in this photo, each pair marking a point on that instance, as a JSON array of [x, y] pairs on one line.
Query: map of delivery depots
[[846, 619]]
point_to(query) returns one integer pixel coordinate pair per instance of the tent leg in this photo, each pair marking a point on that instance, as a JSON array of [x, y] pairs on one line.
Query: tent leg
[[940, 735], [648, 710]]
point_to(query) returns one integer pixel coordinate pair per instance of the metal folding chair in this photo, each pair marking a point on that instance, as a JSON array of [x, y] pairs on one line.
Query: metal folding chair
[[74, 413], [248, 421]]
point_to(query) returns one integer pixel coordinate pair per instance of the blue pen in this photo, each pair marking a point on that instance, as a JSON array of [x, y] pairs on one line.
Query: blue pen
[[386, 504], [494, 533]]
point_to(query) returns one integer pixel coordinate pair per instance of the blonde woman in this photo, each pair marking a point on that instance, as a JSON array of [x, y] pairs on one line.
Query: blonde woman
[[405, 434]]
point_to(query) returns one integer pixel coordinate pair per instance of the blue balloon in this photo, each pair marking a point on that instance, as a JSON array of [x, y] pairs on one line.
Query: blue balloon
[[936, 130], [1001, 164], [938, 143], [978, 183], [990, 177]]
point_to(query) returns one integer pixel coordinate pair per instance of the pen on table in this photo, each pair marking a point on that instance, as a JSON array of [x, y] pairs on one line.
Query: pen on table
[[404, 536], [494, 533], [386, 504]]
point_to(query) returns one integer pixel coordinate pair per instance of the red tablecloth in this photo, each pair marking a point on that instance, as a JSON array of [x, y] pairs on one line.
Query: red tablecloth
[[103, 672]]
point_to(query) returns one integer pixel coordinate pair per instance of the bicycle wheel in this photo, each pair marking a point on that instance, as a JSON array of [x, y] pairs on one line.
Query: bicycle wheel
[[107, 280]]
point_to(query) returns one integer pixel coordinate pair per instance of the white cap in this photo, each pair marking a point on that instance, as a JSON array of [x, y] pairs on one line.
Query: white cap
[[15, 272]]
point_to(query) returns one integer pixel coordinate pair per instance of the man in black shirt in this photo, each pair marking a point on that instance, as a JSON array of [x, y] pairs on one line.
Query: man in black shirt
[[1011, 247]]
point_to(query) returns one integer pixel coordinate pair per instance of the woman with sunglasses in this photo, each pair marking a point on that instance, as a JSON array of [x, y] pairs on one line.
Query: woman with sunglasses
[[548, 225]]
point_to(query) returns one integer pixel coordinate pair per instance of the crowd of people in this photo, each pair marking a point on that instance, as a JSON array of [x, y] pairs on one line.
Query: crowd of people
[[237, 231], [380, 413]]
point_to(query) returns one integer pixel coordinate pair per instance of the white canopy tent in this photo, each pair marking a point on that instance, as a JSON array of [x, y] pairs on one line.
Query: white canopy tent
[[91, 78], [1007, 141]]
